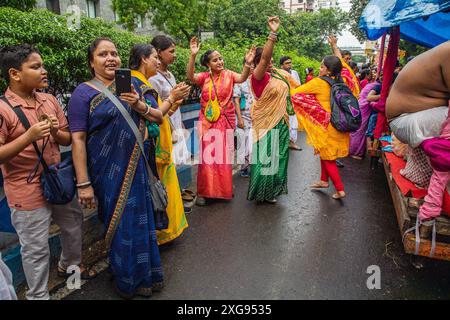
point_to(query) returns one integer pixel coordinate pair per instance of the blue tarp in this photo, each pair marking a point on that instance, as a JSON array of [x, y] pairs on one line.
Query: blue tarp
[[421, 21]]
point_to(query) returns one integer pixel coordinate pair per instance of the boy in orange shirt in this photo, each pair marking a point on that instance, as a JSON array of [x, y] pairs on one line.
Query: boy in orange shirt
[[22, 67]]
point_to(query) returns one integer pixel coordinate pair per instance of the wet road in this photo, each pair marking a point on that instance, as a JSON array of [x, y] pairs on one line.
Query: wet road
[[308, 246]]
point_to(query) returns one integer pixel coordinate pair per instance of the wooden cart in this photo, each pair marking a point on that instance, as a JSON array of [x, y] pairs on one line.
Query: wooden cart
[[407, 209]]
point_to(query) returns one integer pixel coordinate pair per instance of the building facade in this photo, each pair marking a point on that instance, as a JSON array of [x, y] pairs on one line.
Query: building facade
[[294, 6], [95, 9]]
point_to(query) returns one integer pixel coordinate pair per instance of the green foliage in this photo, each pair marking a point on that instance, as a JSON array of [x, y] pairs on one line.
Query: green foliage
[[359, 59], [355, 15], [227, 18], [306, 33], [241, 22], [64, 51], [411, 49], [19, 4], [180, 18], [299, 63], [233, 56]]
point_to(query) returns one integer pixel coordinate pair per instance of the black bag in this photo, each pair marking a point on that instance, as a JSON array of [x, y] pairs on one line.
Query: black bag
[[57, 181], [345, 112]]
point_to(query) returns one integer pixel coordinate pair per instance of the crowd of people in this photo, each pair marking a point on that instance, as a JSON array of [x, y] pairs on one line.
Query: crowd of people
[[263, 105]]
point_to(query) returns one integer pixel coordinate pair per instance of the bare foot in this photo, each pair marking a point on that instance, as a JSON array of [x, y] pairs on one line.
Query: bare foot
[[339, 195], [320, 185], [356, 157]]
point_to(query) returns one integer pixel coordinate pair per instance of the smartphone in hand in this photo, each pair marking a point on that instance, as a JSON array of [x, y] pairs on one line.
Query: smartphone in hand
[[123, 81]]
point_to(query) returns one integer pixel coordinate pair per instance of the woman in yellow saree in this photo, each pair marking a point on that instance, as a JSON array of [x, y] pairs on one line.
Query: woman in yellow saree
[[144, 62]]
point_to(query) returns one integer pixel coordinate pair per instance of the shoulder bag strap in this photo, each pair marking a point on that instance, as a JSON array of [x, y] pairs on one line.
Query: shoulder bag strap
[[217, 96], [329, 80], [24, 120], [170, 83], [128, 118]]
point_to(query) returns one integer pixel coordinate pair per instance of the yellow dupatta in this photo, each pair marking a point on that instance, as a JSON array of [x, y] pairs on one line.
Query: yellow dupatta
[[168, 175], [269, 109]]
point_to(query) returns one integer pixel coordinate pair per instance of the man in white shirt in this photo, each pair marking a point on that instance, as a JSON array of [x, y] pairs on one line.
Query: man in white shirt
[[286, 65], [243, 100]]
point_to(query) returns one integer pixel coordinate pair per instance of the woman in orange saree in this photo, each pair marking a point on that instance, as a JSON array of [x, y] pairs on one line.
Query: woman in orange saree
[[214, 179]]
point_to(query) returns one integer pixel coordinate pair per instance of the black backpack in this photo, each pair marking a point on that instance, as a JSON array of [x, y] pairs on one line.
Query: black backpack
[[345, 112]]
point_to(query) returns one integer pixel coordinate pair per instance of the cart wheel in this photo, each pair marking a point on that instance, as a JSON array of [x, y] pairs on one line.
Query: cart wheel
[[418, 262]]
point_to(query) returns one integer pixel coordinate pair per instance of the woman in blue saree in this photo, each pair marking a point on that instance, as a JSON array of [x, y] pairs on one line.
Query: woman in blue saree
[[109, 165]]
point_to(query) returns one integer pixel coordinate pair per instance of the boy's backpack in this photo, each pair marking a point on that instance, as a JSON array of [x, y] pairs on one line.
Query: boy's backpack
[[345, 112]]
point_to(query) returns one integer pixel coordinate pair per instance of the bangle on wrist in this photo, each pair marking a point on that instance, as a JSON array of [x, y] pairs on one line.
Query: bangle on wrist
[[170, 101], [147, 111], [83, 185]]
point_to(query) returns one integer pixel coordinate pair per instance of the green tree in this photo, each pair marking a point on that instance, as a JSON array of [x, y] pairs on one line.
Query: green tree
[[355, 15], [180, 18], [306, 33], [24, 5], [63, 50], [227, 18]]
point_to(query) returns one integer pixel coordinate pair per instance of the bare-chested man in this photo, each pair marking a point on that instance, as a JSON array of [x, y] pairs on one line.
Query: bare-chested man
[[418, 102]]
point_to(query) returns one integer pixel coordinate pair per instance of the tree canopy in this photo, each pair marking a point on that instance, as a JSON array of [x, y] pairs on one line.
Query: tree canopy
[[23, 5], [242, 22], [355, 15]]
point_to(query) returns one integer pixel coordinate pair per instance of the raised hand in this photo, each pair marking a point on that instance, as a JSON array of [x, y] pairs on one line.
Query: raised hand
[[195, 46], [274, 23], [332, 40]]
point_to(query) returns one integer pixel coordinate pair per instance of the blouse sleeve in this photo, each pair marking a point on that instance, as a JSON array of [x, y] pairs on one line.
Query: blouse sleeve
[[201, 78], [156, 83], [311, 87], [78, 111]]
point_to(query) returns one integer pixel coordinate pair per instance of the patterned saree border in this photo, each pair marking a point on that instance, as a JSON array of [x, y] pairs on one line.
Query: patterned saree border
[[100, 97], [124, 192]]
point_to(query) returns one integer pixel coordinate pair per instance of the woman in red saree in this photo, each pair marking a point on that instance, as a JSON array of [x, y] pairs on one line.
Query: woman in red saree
[[214, 179]]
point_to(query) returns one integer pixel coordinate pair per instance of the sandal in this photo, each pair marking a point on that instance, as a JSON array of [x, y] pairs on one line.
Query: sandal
[[144, 292], [158, 286], [320, 185], [85, 273], [187, 195], [339, 195], [200, 201]]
